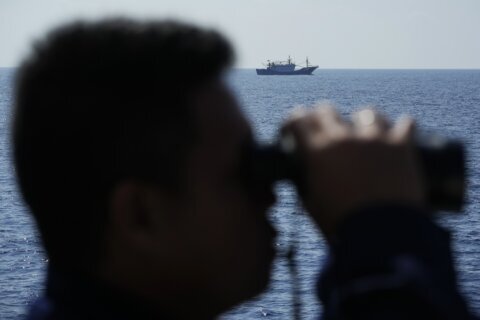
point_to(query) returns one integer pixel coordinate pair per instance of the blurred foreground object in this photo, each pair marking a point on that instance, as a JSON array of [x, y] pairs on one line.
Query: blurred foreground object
[[442, 163]]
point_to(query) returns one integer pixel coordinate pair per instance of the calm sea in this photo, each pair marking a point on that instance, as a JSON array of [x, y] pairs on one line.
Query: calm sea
[[443, 101]]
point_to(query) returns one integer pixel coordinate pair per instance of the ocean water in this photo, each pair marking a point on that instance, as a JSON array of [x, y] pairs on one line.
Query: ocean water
[[443, 101]]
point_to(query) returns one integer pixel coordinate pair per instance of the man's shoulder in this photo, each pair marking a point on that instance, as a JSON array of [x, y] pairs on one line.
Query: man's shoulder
[[43, 309]]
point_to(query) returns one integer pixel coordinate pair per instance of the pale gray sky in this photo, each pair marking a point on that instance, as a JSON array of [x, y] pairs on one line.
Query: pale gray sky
[[333, 33]]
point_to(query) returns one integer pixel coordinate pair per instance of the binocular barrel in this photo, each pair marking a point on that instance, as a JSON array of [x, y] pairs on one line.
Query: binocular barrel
[[442, 163]]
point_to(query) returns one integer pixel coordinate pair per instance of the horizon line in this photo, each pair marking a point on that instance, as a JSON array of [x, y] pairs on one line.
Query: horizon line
[[383, 68], [346, 68]]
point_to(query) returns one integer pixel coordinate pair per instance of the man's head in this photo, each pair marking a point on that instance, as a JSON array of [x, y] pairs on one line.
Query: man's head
[[127, 147]]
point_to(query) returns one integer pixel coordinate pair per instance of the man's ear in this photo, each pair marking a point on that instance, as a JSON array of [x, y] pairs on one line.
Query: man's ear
[[140, 213]]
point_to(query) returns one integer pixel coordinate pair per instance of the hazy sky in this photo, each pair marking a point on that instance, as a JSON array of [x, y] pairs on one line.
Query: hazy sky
[[333, 33]]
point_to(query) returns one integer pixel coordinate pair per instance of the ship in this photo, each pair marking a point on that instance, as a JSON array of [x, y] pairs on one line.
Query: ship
[[287, 68]]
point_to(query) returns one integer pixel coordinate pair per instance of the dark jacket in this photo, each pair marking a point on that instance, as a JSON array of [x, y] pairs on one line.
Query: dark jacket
[[385, 263], [391, 262]]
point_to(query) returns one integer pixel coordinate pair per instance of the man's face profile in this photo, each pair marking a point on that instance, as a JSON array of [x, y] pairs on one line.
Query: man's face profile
[[214, 234], [231, 224]]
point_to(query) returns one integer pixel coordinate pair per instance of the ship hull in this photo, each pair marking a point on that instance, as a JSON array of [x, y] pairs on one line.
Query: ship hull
[[270, 72]]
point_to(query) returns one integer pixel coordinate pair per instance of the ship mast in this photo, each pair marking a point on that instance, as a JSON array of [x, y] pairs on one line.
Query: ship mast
[[307, 62]]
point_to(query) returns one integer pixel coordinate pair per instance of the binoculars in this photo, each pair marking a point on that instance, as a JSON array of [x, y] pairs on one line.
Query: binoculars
[[442, 163]]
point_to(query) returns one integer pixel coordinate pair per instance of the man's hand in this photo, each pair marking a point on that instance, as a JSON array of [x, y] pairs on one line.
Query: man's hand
[[353, 165]]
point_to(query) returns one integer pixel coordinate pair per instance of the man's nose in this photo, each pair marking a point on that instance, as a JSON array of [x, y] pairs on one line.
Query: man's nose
[[264, 195]]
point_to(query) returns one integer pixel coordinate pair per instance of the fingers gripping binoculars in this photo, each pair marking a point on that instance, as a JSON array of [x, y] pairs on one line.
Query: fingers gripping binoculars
[[442, 163]]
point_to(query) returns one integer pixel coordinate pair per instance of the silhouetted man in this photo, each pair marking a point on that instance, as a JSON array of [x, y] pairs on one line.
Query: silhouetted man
[[128, 149]]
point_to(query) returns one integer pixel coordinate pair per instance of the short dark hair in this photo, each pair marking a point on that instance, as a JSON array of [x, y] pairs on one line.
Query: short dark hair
[[98, 102]]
